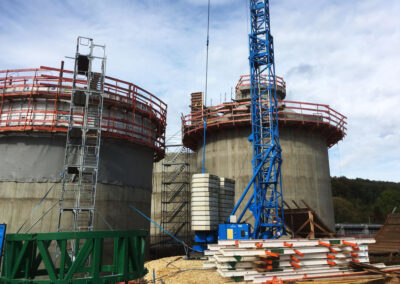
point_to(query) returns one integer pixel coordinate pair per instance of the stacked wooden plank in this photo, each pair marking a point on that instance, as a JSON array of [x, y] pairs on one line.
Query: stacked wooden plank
[[263, 260], [226, 200], [204, 202]]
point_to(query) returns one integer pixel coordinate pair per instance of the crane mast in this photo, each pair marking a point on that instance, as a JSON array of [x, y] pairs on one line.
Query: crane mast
[[265, 202]]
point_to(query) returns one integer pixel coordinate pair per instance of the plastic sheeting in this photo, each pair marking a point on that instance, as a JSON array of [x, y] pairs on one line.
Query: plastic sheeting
[[40, 159]]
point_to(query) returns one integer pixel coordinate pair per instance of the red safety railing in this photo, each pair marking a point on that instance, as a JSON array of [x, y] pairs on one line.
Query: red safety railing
[[244, 80], [130, 112], [314, 116]]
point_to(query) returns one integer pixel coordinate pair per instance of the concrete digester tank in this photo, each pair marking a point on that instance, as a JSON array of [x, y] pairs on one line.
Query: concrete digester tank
[[306, 131], [34, 114]]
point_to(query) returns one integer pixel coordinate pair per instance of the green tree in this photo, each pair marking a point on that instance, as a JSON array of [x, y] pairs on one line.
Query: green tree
[[344, 210], [388, 200]]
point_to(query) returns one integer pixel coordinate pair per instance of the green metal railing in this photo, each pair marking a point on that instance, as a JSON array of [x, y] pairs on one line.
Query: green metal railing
[[27, 257]]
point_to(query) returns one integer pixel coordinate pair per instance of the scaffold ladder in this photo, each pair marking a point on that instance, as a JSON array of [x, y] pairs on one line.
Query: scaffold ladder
[[81, 162]]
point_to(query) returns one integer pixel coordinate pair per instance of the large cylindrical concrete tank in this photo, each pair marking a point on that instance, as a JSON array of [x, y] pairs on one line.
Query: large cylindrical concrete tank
[[34, 114], [306, 132]]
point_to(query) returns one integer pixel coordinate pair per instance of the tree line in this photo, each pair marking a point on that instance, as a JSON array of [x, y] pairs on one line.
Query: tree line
[[364, 201]]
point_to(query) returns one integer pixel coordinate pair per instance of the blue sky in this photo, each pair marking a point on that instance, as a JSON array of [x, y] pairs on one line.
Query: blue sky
[[336, 52]]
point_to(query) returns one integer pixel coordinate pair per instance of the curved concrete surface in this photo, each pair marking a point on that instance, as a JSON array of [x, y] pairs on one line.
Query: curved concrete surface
[[30, 166], [305, 169]]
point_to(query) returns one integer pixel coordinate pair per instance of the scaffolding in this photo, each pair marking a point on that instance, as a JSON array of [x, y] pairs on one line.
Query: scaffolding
[[175, 196], [81, 162]]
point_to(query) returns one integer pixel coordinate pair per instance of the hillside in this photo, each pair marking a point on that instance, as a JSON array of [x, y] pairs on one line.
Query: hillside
[[362, 200]]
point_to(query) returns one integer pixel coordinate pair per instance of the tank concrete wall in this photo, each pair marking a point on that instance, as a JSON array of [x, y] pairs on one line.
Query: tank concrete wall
[[305, 169], [31, 165]]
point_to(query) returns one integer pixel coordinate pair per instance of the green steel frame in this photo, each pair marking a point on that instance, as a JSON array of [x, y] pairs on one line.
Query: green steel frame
[[27, 257]]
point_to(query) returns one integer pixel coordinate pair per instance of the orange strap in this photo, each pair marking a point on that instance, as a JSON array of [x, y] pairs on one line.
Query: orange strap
[[292, 257], [332, 250], [259, 245], [353, 254], [298, 253], [349, 244], [295, 265], [267, 261], [330, 256], [331, 262], [237, 243], [275, 280], [287, 244], [273, 254], [324, 244], [355, 260], [356, 248]]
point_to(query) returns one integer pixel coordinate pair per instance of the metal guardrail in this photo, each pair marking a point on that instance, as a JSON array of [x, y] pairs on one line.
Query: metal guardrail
[[244, 81], [56, 84], [232, 114], [27, 257]]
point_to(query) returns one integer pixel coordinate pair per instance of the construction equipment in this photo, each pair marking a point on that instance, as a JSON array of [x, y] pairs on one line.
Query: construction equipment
[[265, 203], [82, 149], [27, 257]]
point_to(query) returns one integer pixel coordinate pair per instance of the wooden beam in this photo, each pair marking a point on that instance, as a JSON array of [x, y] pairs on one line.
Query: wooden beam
[[302, 227], [294, 202], [287, 205], [311, 218]]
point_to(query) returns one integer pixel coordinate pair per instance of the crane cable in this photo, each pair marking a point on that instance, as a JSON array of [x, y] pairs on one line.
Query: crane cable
[[205, 89]]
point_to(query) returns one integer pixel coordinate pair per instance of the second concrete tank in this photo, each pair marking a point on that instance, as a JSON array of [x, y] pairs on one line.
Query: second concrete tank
[[307, 130]]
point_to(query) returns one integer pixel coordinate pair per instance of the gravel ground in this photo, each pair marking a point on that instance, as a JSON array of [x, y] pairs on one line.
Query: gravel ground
[[173, 270]]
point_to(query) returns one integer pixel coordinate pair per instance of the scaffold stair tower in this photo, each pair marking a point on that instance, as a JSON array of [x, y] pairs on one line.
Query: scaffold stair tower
[[81, 161], [175, 195]]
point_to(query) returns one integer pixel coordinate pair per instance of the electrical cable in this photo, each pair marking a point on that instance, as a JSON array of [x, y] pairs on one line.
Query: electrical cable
[[205, 91], [159, 226], [39, 203], [41, 217], [184, 270], [208, 43]]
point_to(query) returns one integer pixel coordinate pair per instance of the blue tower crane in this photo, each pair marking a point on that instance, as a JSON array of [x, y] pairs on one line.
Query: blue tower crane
[[265, 202]]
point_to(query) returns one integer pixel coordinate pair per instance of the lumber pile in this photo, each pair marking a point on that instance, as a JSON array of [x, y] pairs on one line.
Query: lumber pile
[[261, 261], [388, 237]]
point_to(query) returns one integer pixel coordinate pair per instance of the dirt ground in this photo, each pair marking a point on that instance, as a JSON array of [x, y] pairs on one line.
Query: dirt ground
[[176, 269]]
